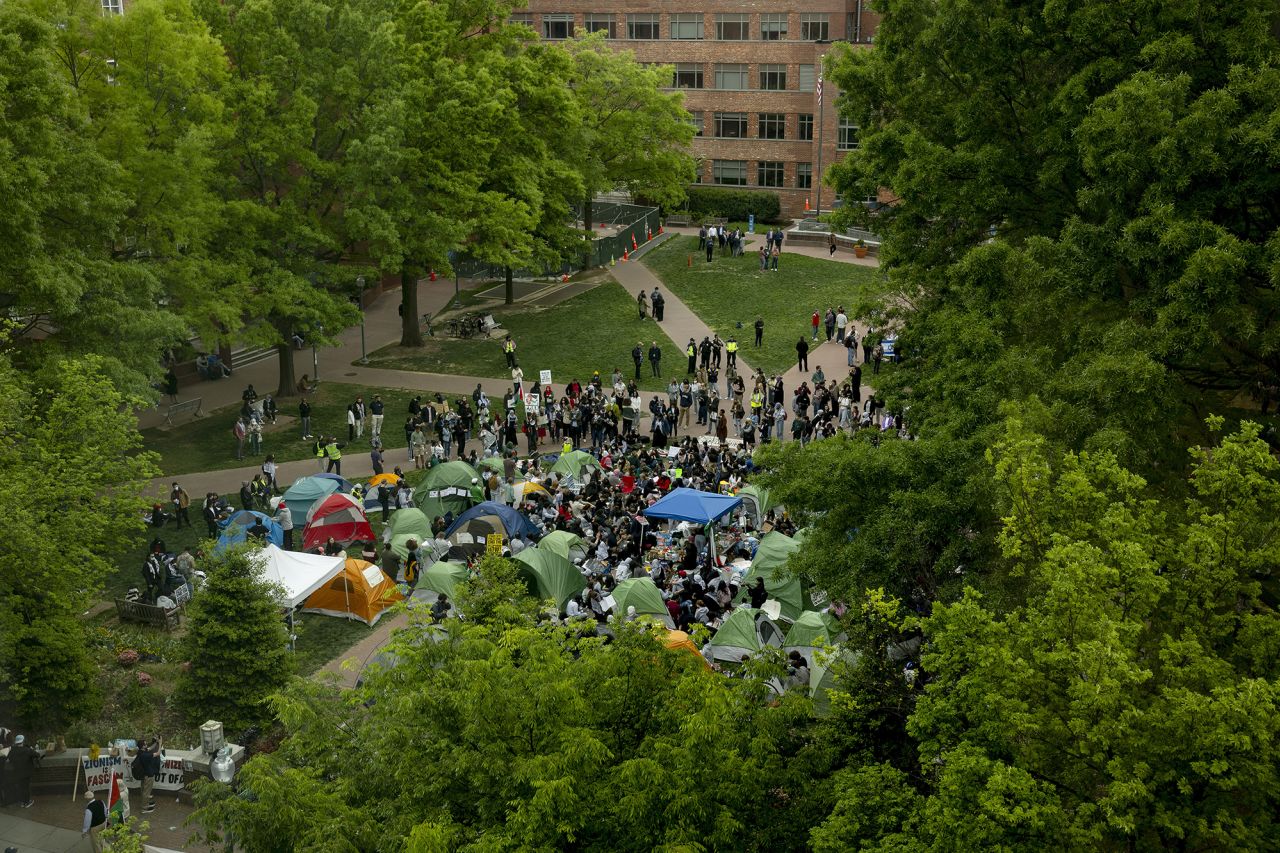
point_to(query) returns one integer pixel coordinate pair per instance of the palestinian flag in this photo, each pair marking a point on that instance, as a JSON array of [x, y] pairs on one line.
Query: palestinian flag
[[118, 802]]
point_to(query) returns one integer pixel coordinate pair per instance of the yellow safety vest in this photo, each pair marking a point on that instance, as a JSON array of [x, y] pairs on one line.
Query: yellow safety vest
[[732, 346], [691, 351], [509, 346], [756, 400], [333, 452]]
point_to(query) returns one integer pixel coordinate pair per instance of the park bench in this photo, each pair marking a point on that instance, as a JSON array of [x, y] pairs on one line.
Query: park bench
[[194, 406], [147, 614], [678, 219]]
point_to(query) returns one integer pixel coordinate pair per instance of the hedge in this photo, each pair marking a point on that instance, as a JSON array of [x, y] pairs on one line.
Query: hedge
[[735, 205]]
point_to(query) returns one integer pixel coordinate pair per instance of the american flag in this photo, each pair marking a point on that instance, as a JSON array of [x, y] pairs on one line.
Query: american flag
[[819, 91]]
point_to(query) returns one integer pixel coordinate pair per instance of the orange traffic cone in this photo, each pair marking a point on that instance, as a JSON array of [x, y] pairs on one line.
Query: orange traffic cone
[[624, 254], [648, 234], [633, 240], [564, 277], [806, 203], [659, 227]]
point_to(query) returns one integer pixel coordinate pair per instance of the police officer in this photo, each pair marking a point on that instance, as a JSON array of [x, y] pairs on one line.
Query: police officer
[[692, 352], [731, 347]]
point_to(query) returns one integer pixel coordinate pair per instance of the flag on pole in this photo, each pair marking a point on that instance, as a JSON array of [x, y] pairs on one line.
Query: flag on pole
[[118, 802], [819, 91]]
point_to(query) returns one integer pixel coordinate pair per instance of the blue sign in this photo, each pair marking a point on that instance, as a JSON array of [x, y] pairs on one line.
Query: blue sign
[[751, 223]]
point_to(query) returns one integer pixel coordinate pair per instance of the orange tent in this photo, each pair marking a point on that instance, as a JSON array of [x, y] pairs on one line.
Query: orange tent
[[361, 591], [680, 640]]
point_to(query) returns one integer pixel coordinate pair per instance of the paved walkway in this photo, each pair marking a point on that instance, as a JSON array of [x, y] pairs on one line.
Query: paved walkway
[[53, 824]]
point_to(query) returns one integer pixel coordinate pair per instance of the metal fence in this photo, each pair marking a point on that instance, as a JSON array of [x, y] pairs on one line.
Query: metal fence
[[816, 227]]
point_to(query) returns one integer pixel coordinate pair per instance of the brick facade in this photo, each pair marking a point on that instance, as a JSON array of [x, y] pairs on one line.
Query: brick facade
[[846, 20]]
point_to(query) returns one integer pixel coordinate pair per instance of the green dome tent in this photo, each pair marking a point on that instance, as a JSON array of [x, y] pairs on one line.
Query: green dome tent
[[550, 575], [822, 680], [493, 464], [564, 543], [451, 487], [745, 632], [408, 524], [810, 630], [443, 578], [574, 462], [756, 501], [643, 595], [771, 556]]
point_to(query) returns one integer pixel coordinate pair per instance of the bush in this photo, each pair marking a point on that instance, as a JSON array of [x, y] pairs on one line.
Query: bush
[[735, 205]]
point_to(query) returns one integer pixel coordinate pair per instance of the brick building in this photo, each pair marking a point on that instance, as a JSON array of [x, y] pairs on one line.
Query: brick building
[[749, 71]]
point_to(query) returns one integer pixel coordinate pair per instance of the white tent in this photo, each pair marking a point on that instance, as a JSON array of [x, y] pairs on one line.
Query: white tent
[[298, 573]]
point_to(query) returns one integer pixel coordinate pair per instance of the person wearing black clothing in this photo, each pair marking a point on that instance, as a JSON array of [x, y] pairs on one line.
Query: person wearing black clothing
[[637, 356], [95, 818], [154, 572], [759, 331], [658, 302], [21, 764], [210, 513], [802, 353], [757, 593], [655, 359], [384, 500], [258, 532]]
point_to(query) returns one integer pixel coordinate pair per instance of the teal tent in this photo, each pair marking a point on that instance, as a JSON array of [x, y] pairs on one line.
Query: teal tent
[[769, 563], [451, 487], [443, 578], [574, 462], [550, 575], [304, 493], [408, 524], [566, 544], [643, 595]]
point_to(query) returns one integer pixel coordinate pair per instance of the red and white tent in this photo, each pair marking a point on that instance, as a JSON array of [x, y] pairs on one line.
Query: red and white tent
[[339, 516]]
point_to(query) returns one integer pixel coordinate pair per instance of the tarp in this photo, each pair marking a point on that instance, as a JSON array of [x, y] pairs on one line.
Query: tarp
[[771, 556], [443, 578], [811, 629], [360, 591], [298, 573], [550, 575], [304, 492], [480, 519], [574, 462], [451, 487], [693, 505], [338, 516], [235, 530], [643, 595], [568, 545]]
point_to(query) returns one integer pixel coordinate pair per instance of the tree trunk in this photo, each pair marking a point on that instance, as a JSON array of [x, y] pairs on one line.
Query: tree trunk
[[587, 224], [410, 329], [288, 384], [511, 286]]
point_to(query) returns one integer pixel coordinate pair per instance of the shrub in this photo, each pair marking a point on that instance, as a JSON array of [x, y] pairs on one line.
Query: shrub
[[735, 205]]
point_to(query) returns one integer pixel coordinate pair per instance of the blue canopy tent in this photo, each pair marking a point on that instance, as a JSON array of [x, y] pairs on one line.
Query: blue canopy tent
[[235, 529], [514, 524], [695, 506]]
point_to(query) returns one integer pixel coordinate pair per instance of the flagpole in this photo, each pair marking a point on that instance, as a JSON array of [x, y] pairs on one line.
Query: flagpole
[[821, 124], [75, 789]]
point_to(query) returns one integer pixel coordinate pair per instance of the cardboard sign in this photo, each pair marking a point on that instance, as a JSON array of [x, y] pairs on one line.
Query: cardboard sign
[[532, 402], [544, 377]]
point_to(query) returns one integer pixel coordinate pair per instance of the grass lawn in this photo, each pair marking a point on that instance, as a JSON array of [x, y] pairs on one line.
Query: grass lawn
[[732, 291], [206, 444], [594, 330]]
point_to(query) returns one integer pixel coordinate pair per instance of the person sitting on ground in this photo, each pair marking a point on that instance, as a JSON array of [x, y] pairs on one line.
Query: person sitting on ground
[[306, 385], [440, 609]]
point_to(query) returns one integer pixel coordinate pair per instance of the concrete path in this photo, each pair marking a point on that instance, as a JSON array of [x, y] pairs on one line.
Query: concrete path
[[53, 824]]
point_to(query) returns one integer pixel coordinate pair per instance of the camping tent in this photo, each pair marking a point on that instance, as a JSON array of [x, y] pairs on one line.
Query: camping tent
[[443, 578], [407, 524], [550, 575], [756, 503], [360, 591], [527, 490], [573, 463], [492, 463], [745, 632], [449, 488], [680, 641], [492, 517], [568, 545], [338, 516], [771, 556], [693, 505], [643, 595], [305, 492], [344, 485], [822, 679], [810, 630], [298, 574], [371, 502], [235, 529]]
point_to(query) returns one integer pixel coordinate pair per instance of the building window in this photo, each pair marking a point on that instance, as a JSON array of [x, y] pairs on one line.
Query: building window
[[113, 7], [731, 125], [773, 78], [815, 27], [557, 26], [807, 78], [804, 127], [601, 22], [686, 26], [688, 75], [729, 172], [696, 119], [642, 27], [769, 173], [773, 125], [848, 138], [731, 76], [523, 18], [773, 26], [804, 176], [733, 27]]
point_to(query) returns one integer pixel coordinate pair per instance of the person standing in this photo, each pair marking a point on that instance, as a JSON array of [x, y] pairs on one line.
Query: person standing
[[333, 453], [831, 244], [637, 356], [95, 818], [376, 413], [642, 303], [304, 417], [814, 322], [147, 767], [375, 457], [842, 324], [509, 350], [284, 518], [731, 347], [877, 355], [717, 348], [711, 248], [774, 256], [759, 326], [181, 505], [21, 764], [868, 342], [829, 322], [802, 353], [655, 359], [659, 302], [239, 430], [691, 352]]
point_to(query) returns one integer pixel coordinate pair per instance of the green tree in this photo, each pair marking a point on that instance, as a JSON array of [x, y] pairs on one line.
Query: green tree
[[72, 453], [236, 645], [635, 135]]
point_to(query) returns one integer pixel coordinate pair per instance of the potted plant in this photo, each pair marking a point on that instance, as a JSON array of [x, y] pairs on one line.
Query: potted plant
[[860, 248]]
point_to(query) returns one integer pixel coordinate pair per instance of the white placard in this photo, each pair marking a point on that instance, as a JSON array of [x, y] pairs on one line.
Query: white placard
[[544, 377]]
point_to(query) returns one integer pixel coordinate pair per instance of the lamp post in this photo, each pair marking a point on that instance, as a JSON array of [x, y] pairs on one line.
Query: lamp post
[[364, 358]]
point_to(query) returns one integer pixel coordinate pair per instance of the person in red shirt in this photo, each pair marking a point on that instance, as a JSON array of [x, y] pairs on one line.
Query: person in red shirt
[[815, 321]]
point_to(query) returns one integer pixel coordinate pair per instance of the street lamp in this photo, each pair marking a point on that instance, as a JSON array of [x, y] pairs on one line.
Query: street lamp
[[222, 768], [364, 358]]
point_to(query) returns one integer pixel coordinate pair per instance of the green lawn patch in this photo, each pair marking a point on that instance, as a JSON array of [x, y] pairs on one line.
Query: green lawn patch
[[592, 331], [732, 291], [207, 443]]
